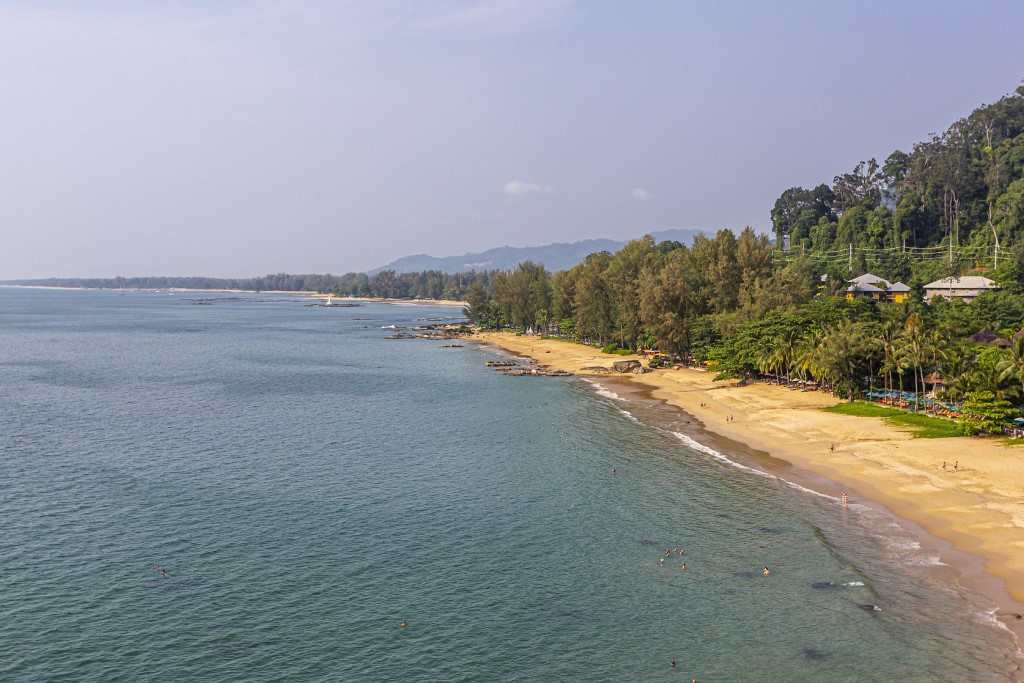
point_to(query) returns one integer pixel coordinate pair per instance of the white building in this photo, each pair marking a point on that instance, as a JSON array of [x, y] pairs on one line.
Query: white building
[[966, 288]]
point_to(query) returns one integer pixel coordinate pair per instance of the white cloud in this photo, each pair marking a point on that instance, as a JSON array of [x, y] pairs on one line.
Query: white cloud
[[520, 187], [640, 194]]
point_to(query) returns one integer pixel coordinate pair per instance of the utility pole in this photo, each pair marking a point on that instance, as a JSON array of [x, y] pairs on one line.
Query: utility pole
[[995, 256]]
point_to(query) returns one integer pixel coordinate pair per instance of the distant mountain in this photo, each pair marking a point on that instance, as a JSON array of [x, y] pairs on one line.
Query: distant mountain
[[554, 257]]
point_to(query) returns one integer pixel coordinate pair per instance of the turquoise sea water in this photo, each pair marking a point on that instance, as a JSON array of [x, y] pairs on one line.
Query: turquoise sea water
[[308, 485]]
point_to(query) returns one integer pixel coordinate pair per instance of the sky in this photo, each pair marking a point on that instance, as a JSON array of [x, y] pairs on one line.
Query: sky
[[232, 138]]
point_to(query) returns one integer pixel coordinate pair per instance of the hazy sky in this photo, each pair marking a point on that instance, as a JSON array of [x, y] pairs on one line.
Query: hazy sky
[[238, 138]]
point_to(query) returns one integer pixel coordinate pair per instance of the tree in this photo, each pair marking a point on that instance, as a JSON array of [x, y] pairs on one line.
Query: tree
[[860, 187], [985, 413], [1012, 366], [798, 209]]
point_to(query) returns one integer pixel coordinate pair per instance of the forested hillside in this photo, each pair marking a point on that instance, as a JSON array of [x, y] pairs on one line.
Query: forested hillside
[[945, 205]]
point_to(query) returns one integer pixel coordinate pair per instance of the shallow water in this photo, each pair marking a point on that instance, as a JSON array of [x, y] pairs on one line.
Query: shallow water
[[309, 485]]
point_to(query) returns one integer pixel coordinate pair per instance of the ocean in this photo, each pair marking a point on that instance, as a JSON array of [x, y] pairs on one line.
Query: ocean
[[260, 490]]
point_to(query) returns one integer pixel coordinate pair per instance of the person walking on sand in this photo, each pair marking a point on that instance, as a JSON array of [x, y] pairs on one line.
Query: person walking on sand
[[956, 466]]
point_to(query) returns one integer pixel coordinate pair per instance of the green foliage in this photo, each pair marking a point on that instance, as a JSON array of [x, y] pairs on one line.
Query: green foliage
[[616, 349], [983, 412], [922, 426]]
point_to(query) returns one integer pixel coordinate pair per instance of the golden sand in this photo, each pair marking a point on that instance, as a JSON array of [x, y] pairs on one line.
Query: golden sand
[[979, 509]]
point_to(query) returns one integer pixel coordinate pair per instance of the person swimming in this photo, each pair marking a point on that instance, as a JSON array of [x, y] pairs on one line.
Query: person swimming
[[684, 567], [765, 571], [673, 662], [404, 624]]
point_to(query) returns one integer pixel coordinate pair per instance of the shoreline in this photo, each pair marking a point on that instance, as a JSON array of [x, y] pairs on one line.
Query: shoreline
[[973, 519], [306, 294]]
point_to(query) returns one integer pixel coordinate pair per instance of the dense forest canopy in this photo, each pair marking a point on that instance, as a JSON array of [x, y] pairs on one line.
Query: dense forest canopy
[[943, 207]]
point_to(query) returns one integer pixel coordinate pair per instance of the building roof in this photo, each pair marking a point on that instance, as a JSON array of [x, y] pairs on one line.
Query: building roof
[[864, 287], [964, 282], [898, 287], [868, 279]]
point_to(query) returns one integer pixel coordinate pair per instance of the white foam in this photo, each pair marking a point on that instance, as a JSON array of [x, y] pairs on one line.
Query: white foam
[[388, 327], [708, 450], [630, 415], [854, 583], [602, 391], [991, 619]]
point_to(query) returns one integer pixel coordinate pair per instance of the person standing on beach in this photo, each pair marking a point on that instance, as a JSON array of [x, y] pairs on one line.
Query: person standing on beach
[[845, 499]]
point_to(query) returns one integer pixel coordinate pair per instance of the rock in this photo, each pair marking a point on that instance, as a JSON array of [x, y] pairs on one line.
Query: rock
[[627, 366], [597, 369]]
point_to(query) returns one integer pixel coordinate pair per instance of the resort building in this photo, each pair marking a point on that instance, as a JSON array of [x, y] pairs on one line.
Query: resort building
[[876, 288], [966, 288]]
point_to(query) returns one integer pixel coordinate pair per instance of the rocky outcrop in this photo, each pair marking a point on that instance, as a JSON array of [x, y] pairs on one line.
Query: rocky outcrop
[[633, 366]]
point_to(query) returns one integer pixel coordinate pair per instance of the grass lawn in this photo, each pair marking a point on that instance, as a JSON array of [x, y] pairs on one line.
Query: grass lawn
[[922, 426]]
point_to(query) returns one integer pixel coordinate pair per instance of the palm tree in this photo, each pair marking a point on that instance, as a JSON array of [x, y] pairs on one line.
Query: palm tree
[[805, 356], [841, 354], [1012, 367], [915, 349], [956, 364], [786, 346], [889, 340]]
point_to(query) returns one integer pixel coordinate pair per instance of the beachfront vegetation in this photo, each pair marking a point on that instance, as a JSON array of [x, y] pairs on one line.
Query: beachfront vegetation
[[922, 426], [747, 307]]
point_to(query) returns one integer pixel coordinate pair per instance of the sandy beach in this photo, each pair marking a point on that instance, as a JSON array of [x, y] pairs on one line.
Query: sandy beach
[[382, 300], [978, 510]]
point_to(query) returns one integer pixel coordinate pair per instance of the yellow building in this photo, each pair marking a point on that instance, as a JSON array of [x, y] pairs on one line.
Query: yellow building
[[876, 288]]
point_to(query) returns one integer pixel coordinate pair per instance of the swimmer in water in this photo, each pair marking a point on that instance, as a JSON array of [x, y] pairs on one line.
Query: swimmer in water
[[673, 662], [163, 572], [684, 567], [403, 624], [613, 470], [765, 571]]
